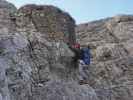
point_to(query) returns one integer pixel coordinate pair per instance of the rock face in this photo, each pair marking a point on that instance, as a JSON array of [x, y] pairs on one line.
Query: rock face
[[110, 72], [35, 60], [48, 20], [4, 4]]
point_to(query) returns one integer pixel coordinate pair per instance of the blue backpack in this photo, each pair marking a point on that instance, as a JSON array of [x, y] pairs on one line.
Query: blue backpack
[[85, 55]]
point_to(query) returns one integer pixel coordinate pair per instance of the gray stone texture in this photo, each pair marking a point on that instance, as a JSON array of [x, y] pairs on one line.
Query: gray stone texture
[[110, 40], [35, 60]]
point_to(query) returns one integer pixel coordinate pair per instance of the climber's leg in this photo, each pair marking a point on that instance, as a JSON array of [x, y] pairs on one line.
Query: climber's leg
[[82, 74]]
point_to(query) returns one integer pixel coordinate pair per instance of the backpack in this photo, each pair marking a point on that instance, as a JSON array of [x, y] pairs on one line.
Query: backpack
[[85, 55]]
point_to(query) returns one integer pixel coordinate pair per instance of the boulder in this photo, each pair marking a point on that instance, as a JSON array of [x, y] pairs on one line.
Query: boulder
[[35, 59]]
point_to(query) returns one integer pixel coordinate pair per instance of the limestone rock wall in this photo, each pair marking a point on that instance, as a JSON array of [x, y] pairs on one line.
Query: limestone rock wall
[[110, 72], [35, 60], [49, 21]]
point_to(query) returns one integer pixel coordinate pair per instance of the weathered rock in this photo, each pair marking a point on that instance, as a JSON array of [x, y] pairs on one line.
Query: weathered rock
[[7, 26], [57, 25], [5, 4], [35, 60], [110, 72], [64, 91]]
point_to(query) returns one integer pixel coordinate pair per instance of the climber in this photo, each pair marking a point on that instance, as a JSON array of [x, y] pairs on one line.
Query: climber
[[84, 61], [81, 60], [76, 49], [80, 54]]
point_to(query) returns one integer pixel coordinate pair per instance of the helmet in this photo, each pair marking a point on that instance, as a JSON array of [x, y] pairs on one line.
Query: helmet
[[77, 45]]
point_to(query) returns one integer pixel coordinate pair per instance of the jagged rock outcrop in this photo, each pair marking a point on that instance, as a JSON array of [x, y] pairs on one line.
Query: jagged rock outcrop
[[6, 10], [48, 20], [6, 5], [110, 72], [35, 61]]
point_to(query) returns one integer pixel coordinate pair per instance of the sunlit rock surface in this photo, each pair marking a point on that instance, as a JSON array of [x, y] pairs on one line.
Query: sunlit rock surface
[[110, 72], [36, 62]]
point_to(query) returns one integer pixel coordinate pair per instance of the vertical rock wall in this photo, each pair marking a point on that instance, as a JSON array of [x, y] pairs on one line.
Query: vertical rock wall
[[35, 61]]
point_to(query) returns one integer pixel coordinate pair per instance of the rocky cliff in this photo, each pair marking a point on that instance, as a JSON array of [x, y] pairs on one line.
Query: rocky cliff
[[36, 62], [110, 72]]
